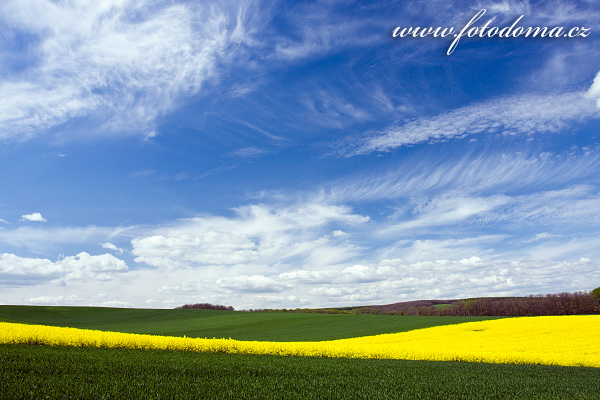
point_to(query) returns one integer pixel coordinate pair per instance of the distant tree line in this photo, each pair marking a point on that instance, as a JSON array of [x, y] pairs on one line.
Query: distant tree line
[[204, 306], [577, 303]]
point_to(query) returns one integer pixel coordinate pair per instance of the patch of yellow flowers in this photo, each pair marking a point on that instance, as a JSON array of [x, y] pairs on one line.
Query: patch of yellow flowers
[[558, 340]]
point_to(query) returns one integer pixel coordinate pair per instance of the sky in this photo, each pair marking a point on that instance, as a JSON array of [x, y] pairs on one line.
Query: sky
[[295, 154]]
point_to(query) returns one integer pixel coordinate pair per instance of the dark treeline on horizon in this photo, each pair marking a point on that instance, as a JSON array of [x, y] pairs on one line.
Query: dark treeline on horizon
[[577, 303], [204, 306]]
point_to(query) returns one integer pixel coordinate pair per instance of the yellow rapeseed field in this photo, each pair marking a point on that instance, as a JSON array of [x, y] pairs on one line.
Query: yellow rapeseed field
[[558, 340]]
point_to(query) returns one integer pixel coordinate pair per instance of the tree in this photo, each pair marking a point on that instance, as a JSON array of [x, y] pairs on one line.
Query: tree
[[596, 294]]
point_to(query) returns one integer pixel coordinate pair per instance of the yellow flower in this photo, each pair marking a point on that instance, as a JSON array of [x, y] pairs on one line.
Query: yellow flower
[[559, 340]]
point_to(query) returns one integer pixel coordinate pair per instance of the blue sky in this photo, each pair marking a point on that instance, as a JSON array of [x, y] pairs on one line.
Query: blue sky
[[294, 154]]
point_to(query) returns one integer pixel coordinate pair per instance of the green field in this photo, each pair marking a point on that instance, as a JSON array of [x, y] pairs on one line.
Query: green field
[[30, 372], [34, 372], [279, 326]]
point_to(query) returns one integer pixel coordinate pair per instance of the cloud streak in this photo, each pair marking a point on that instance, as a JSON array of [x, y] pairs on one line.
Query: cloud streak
[[119, 65], [517, 115], [486, 171]]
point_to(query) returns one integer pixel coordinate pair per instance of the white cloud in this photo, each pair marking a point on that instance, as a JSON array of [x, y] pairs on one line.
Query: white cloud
[[568, 247], [116, 303], [472, 173], [212, 247], [561, 209], [75, 300], [120, 64], [258, 234], [34, 217], [110, 246], [56, 300], [277, 301], [453, 248], [450, 209], [562, 13], [452, 268], [352, 274], [320, 32], [335, 109], [17, 271], [459, 278], [572, 205], [336, 292], [541, 236], [594, 90], [523, 115], [249, 152], [54, 238], [505, 7], [253, 284]]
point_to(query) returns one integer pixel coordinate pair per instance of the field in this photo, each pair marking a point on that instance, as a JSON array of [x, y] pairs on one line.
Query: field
[[61, 372], [36, 372], [279, 326]]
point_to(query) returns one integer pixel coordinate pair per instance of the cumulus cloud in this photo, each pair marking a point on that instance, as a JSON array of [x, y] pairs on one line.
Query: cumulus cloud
[[518, 115], [212, 247], [258, 234], [34, 217], [120, 64], [352, 274], [391, 280], [17, 271]]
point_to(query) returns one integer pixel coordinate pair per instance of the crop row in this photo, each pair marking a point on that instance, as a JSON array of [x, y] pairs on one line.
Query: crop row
[[559, 340]]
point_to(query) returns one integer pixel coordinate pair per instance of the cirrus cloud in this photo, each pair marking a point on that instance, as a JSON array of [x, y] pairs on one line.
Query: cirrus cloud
[[516, 115], [118, 64]]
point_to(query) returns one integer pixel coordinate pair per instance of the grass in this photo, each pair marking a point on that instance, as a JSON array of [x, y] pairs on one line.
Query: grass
[[33, 372], [273, 326]]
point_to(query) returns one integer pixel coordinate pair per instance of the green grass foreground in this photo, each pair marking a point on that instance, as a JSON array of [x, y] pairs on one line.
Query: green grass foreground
[[34, 372], [271, 326]]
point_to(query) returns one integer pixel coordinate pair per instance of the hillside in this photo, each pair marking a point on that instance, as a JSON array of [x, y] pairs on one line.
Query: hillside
[[282, 326]]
